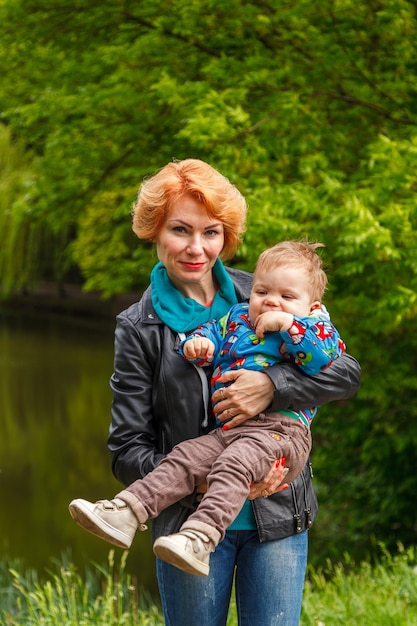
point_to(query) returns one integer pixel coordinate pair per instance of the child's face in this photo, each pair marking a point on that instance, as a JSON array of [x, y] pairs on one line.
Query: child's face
[[282, 289]]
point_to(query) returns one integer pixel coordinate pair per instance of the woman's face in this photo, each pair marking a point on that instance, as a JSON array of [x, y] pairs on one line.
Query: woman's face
[[189, 243]]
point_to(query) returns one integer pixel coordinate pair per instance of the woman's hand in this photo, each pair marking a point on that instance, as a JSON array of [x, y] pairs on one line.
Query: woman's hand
[[272, 482], [247, 394]]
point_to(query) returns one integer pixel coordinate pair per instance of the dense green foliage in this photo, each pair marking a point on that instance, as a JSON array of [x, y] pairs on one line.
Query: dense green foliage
[[310, 108], [383, 594]]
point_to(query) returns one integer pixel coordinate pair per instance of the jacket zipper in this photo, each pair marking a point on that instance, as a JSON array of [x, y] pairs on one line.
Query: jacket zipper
[[204, 388], [307, 509], [297, 516]]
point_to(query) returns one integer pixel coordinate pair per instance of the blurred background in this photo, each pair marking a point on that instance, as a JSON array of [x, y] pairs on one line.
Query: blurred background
[[311, 110], [55, 411]]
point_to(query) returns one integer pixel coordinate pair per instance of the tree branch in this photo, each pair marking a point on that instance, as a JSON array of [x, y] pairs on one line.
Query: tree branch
[[368, 105], [166, 31]]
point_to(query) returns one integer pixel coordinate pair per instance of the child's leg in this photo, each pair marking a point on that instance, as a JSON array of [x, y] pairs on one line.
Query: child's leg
[[175, 477], [249, 454], [178, 475]]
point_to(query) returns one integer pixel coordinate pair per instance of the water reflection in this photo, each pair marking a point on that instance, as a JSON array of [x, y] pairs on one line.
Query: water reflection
[[54, 417]]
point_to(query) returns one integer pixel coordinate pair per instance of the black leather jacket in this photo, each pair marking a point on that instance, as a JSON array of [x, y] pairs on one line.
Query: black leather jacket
[[158, 402]]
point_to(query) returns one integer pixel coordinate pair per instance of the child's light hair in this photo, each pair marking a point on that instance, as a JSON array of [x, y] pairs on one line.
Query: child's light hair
[[300, 254]]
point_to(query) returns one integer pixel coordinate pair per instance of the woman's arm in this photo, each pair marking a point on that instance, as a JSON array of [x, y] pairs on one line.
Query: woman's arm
[[284, 386], [294, 390], [132, 438]]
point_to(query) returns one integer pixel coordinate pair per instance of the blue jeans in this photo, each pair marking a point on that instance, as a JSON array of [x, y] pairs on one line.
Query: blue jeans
[[269, 583]]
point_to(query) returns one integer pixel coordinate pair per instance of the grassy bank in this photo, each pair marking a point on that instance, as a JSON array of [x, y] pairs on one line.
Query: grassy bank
[[384, 594]]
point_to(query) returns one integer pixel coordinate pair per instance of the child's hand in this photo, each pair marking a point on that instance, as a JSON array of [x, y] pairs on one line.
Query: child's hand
[[272, 321], [199, 348]]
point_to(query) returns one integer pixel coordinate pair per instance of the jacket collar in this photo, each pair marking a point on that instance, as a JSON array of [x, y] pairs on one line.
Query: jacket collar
[[241, 280]]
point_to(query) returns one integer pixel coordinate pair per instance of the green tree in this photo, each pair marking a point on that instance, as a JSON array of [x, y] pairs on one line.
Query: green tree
[[271, 93]]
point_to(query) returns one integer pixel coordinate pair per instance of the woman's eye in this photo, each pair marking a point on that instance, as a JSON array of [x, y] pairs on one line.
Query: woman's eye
[[211, 233]]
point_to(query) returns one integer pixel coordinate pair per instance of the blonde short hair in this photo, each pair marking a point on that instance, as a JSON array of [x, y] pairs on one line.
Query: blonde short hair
[[300, 254], [222, 200]]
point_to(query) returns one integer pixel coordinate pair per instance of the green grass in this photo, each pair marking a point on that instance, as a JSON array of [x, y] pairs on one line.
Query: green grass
[[384, 594], [106, 596]]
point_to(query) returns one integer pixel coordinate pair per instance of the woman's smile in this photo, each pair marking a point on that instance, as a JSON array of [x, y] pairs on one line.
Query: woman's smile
[[194, 267]]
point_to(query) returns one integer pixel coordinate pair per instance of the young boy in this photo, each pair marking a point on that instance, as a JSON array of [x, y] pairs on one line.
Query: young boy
[[284, 321]]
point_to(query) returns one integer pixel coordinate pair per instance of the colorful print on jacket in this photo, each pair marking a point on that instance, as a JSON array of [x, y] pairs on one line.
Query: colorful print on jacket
[[312, 343]]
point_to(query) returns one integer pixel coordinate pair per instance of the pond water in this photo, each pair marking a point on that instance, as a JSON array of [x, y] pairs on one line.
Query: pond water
[[54, 417]]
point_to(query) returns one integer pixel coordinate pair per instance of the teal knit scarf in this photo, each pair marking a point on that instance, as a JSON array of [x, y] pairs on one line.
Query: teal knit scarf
[[185, 314]]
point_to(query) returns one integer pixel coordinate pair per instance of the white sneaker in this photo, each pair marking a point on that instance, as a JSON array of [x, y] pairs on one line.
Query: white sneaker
[[111, 520], [189, 550]]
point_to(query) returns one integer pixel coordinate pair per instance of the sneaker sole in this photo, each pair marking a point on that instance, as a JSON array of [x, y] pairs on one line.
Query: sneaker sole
[[91, 522], [167, 551]]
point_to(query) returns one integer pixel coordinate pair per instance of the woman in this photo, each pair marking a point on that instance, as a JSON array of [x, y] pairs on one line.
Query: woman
[[196, 217]]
